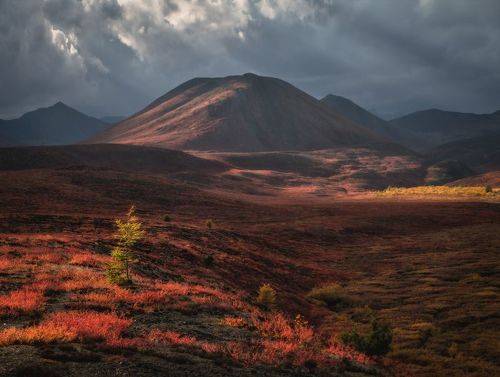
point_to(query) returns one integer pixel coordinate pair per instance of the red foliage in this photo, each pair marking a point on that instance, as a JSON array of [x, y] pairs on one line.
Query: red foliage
[[23, 301], [69, 326]]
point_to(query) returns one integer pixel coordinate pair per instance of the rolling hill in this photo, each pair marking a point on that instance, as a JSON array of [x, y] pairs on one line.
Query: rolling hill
[[434, 127], [55, 125], [131, 158], [245, 113]]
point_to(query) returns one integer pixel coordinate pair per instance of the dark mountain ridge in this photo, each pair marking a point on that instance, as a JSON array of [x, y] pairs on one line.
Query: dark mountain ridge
[[55, 125]]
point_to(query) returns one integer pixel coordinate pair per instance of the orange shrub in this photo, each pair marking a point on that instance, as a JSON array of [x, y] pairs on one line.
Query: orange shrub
[[6, 264], [172, 338], [90, 325], [276, 326], [340, 351], [88, 259], [47, 333], [234, 321], [157, 337], [22, 301], [69, 326]]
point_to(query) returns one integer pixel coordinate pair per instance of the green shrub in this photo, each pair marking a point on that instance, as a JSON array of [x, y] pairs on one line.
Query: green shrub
[[129, 233], [331, 295], [208, 261], [266, 297], [488, 189], [167, 218], [376, 343]]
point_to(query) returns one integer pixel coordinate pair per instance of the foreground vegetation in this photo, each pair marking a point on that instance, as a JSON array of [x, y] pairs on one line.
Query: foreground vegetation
[[442, 191], [350, 287]]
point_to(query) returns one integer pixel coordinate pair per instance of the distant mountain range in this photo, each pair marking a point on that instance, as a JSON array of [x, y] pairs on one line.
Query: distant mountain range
[[55, 125], [246, 113], [251, 113], [429, 128]]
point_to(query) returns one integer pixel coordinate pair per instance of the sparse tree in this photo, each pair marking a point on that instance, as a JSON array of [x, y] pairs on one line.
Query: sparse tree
[[129, 233], [266, 296]]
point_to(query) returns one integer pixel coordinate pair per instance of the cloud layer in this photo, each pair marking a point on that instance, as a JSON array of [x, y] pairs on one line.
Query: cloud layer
[[114, 56]]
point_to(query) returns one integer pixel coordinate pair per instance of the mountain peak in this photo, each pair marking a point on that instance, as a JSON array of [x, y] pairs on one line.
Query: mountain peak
[[59, 105], [246, 113]]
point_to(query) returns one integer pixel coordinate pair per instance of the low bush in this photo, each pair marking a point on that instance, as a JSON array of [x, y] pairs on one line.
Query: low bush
[[331, 295], [377, 342], [167, 218], [22, 301], [266, 297]]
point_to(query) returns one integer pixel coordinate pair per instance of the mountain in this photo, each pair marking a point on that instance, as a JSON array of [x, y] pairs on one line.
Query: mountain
[[359, 115], [238, 113], [112, 119], [54, 125], [434, 127]]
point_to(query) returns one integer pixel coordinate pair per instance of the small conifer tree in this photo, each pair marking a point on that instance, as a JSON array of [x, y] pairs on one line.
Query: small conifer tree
[[266, 296], [129, 232]]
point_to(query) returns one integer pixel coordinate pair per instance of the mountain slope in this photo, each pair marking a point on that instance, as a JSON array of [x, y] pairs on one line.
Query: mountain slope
[[481, 153], [55, 125], [434, 127], [359, 115], [238, 113]]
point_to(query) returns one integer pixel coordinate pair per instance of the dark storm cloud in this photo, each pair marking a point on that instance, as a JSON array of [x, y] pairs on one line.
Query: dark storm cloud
[[113, 56]]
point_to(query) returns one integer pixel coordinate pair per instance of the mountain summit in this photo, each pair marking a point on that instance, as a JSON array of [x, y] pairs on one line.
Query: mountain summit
[[238, 113]]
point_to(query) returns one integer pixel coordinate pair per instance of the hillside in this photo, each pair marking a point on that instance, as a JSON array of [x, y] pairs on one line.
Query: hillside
[[55, 125], [480, 153], [105, 156], [434, 127], [238, 113]]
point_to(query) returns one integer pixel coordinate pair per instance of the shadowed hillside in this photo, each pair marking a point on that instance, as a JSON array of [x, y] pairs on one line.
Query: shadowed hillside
[[434, 127], [54, 125]]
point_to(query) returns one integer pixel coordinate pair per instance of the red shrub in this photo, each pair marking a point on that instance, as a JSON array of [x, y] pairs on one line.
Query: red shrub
[[69, 326], [90, 325], [22, 301]]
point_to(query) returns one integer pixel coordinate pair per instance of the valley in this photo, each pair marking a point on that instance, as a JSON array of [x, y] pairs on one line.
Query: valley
[[426, 267]]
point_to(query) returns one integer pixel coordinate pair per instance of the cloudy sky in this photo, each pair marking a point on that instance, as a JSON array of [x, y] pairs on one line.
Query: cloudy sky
[[112, 57]]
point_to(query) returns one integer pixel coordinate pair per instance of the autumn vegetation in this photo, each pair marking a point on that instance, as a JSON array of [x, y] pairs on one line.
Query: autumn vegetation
[[441, 191]]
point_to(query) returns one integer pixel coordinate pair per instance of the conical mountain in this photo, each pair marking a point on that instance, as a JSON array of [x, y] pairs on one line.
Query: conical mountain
[[238, 113]]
